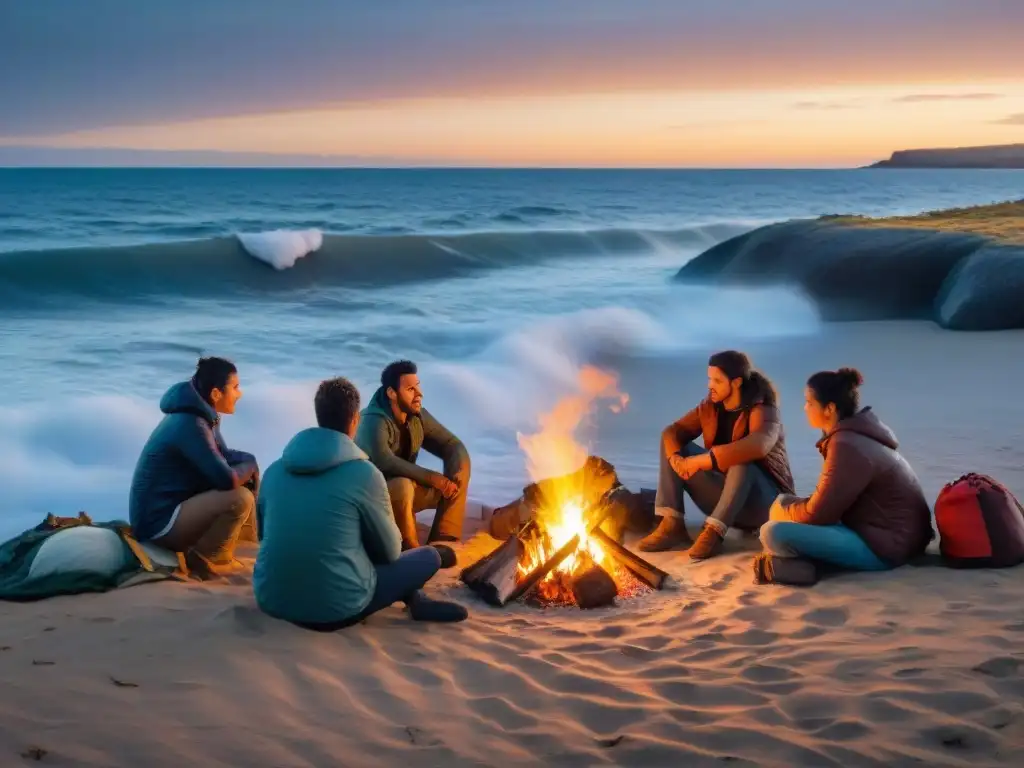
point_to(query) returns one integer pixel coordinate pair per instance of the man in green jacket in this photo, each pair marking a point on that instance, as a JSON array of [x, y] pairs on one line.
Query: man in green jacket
[[330, 553], [394, 428]]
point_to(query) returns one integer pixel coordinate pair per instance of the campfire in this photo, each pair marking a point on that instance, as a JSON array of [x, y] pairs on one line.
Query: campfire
[[563, 537]]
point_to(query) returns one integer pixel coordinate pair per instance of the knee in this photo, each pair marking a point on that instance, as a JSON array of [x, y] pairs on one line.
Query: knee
[[401, 488], [427, 560], [773, 535], [241, 502]]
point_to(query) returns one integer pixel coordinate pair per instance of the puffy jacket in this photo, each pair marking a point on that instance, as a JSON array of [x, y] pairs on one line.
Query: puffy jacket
[[184, 456], [325, 518], [870, 488]]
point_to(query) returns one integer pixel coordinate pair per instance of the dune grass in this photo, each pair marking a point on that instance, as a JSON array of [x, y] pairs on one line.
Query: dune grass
[[1000, 221]]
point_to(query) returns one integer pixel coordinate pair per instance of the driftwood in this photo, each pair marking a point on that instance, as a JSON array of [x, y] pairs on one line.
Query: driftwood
[[650, 574], [494, 576], [594, 587]]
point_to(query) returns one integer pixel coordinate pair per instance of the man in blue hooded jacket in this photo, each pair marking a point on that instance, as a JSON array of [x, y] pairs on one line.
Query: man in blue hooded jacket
[[330, 552], [189, 492]]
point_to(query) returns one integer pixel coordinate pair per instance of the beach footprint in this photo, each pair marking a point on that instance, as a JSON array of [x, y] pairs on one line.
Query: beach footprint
[[827, 617], [999, 667], [245, 620]]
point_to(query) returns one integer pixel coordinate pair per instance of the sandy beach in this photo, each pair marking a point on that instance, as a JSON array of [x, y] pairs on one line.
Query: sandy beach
[[922, 666]]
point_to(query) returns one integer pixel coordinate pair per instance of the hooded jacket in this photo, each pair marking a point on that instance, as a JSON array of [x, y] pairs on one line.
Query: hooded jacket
[[184, 456], [380, 436], [325, 518], [870, 488]]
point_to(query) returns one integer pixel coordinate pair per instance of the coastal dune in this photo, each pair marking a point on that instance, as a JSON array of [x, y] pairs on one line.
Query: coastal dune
[[963, 269], [921, 666]]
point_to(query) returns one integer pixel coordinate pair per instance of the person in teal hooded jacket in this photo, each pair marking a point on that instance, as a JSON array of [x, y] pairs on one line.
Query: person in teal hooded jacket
[[395, 426], [189, 491], [330, 552]]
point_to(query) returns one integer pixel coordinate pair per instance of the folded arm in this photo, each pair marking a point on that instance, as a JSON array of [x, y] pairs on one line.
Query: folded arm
[[199, 446], [762, 436], [684, 430], [374, 433], [238, 457]]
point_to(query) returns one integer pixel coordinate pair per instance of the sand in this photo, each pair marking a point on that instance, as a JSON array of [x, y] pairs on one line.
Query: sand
[[921, 666]]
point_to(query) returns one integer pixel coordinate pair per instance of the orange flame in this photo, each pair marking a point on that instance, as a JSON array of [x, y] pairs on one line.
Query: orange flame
[[552, 452]]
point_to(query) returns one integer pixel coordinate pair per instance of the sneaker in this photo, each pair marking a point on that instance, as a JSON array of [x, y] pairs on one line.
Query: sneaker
[[671, 533], [708, 544]]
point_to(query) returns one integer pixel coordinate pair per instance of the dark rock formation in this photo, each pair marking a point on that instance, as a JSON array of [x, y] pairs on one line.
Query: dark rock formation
[[854, 272], [985, 292], [995, 156]]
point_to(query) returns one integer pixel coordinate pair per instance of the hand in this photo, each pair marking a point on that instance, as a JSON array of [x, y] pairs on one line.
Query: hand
[[684, 466], [449, 489]]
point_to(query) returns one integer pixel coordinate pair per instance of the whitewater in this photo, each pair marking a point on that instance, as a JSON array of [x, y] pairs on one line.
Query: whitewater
[[501, 284]]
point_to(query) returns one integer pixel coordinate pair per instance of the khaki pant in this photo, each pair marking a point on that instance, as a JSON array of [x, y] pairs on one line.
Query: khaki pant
[[210, 524]]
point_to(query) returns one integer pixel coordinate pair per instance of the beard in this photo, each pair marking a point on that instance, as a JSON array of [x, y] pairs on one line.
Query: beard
[[408, 408], [724, 396]]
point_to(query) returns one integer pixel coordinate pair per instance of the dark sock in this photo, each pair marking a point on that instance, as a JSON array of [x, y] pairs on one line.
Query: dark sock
[[423, 608], [448, 558]]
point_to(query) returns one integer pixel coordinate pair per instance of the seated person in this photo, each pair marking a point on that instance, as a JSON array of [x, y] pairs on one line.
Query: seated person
[[330, 552], [189, 493], [740, 470], [394, 427], [868, 512]]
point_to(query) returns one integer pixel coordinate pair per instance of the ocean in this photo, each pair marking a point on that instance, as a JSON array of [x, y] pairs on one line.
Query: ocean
[[501, 284]]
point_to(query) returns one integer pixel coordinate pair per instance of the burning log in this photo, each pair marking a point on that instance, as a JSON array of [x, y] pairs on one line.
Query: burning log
[[494, 577], [649, 574], [594, 587], [538, 573]]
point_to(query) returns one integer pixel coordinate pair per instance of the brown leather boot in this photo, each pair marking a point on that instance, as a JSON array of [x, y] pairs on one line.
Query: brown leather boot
[[671, 533], [708, 544]]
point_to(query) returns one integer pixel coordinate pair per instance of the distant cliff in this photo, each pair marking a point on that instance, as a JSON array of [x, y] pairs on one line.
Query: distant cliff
[[963, 268], [1001, 156]]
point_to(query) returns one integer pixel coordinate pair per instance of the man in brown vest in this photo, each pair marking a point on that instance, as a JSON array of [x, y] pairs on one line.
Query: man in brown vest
[[740, 470]]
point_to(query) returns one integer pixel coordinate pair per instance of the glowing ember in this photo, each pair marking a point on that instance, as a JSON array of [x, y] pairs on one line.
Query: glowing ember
[[554, 451]]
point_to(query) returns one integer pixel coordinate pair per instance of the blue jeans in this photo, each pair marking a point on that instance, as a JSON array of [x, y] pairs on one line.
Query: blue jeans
[[396, 582], [742, 495], [834, 544]]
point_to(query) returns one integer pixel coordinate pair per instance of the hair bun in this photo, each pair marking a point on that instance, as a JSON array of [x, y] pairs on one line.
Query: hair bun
[[851, 376]]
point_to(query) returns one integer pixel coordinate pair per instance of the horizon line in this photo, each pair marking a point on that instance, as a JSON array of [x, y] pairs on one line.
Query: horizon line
[[212, 167]]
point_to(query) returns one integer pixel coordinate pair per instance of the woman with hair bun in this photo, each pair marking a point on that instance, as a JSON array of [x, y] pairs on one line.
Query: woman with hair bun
[[868, 512]]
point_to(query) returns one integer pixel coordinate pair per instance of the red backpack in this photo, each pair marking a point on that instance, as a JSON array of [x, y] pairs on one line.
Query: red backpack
[[981, 524]]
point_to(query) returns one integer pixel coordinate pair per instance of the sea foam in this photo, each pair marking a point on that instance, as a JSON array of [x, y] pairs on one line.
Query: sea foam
[[281, 248]]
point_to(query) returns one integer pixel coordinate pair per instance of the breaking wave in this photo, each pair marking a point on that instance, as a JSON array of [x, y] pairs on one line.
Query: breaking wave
[[271, 262]]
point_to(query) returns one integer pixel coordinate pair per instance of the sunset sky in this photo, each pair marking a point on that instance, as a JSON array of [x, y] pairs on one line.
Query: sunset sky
[[758, 83]]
